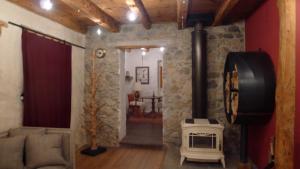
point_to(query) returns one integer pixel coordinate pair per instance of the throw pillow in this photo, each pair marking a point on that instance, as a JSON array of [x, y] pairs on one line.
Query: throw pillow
[[11, 152], [44, 150]]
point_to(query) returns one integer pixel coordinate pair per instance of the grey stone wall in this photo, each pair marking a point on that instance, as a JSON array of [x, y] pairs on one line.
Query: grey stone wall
[[176, 75], [177, 89], [108, 91], [221, 40], [177, 101]]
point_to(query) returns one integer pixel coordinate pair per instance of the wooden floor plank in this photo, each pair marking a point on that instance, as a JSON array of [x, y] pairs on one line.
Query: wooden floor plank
[[123, 158]]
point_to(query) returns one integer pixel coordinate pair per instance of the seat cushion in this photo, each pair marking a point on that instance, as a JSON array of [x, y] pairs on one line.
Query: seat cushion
[[44, 150], [53, 167], [11, 152], [136, 103], [24, 131]]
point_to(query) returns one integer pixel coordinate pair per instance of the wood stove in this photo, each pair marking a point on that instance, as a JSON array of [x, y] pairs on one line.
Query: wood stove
[[202, 140]]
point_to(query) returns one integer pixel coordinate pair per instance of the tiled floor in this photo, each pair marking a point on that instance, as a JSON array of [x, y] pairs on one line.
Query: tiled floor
[[172, 159]]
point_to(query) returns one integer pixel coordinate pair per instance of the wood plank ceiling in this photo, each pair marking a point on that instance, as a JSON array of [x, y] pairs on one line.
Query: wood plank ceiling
[[78, 15], [61, 13], [158, 10]]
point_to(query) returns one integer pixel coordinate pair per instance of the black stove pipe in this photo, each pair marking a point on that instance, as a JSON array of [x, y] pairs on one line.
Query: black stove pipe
[[199, 73], [244, 144]]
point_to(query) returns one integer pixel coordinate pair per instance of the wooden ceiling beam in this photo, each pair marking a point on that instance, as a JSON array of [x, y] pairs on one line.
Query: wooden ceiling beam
[[2, 24], [224, 9], [182, 13], [94, 13], [138, 7], [56, 15], [242, 10]]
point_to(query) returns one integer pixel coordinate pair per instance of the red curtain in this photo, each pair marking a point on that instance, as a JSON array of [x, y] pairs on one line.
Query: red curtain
[[47, 82]]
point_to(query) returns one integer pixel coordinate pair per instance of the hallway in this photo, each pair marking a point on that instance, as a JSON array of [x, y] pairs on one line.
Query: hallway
[[143, 133]]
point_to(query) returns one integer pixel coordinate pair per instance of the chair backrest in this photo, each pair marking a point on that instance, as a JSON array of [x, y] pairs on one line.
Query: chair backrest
[[131, 97]]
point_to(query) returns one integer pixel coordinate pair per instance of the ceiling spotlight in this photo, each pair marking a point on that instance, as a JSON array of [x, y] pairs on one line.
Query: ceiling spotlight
[[162, 49], [131, 16], [99, 31], [143, 49], [144, 53], [46, 4]]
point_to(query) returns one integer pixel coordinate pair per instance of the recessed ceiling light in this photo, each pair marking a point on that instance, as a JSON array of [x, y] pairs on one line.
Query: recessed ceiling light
[[131, 16], [99, 31], [162, 49], [46, 4], [143, 48], [144, 53]]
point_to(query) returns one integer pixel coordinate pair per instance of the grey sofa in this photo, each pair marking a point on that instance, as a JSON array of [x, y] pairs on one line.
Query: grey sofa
[[33, 136]]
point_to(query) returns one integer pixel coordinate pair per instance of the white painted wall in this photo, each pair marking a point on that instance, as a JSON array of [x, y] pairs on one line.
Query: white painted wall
[[11, 74], [134, 59]]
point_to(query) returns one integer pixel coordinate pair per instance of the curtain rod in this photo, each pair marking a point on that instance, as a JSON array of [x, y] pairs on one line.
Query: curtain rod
[[46, 35]]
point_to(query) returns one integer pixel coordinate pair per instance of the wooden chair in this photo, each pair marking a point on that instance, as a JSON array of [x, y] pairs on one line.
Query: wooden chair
[[135, 107], [159, 107]]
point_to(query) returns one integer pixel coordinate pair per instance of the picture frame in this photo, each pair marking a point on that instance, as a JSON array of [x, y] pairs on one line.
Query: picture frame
[[142, 74]]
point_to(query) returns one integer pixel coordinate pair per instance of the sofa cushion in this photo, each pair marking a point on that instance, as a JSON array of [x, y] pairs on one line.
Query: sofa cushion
[[24, 131], [44, 150], [53, 167], [11, 154]]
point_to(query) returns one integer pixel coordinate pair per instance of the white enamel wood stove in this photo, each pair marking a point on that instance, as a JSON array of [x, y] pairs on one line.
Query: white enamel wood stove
[[202, 140]]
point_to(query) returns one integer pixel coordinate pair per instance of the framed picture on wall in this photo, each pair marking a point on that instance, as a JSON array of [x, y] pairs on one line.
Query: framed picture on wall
[[142, 74]]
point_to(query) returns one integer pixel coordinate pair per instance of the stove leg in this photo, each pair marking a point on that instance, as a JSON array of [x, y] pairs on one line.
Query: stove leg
[[223, 162], [182, 160]]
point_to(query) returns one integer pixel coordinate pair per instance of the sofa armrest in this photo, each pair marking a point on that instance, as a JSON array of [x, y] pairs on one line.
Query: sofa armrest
[[4, 134], [68, 145]]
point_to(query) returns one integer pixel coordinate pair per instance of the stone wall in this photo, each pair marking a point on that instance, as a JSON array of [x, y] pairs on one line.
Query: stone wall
[[177, 75], [108, 92], [221, 40], [177, 89]]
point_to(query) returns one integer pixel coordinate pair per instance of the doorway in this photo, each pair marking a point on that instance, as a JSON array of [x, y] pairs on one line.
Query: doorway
[[143, 89]]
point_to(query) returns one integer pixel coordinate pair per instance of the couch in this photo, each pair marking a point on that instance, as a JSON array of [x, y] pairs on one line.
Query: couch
[[37, 148]]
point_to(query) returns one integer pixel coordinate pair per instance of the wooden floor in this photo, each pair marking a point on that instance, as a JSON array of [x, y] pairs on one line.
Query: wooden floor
[[123, 158]]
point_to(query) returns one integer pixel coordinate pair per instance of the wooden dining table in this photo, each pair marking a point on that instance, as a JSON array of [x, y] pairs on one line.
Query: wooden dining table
[[153, 98]]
